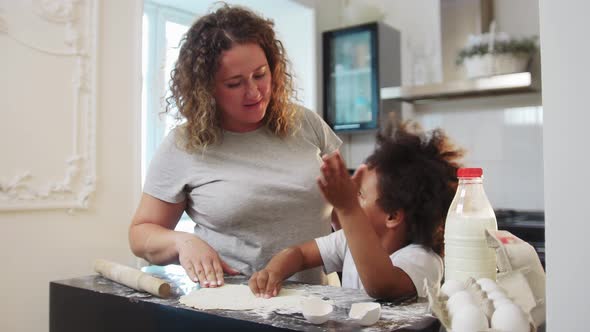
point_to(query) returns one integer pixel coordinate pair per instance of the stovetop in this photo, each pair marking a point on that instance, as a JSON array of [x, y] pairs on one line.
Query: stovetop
[[515, 216], [527, 225]]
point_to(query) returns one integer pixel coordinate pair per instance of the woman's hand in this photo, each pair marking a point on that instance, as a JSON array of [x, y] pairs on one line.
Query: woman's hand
[[265, 283], [201, 262]]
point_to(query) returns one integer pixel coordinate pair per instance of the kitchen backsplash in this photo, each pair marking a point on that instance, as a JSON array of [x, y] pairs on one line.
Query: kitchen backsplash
[[501, 134]]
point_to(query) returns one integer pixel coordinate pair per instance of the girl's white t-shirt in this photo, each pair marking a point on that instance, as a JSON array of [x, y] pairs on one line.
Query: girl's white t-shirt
[[418, 262]]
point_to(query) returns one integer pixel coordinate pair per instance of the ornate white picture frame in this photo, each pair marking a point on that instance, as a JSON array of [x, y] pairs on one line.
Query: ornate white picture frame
[[50, 159]]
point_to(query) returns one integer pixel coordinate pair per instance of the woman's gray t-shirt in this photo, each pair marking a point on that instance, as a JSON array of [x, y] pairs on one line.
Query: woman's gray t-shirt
[[251, 195]]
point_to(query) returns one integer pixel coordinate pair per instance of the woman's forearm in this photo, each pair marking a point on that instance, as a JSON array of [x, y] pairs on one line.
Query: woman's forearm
[[151, 233], [156, 244]]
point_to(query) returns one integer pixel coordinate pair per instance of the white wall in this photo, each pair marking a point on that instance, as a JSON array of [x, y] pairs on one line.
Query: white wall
[[517, 18], [459, 19], [39, 246], [504, 136], [565, 66]]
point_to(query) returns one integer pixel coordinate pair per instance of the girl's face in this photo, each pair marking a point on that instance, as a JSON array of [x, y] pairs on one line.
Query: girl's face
[[242, 87], [368, 196]]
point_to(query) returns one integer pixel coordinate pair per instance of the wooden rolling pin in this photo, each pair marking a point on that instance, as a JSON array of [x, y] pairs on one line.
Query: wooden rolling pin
[[133, 278]]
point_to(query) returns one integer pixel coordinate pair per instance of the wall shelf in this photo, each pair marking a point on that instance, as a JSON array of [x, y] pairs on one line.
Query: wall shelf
[[485, 86]]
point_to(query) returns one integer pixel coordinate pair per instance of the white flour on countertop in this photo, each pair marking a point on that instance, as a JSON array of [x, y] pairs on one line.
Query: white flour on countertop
[[240, 297], [407, 313], [400, 316]]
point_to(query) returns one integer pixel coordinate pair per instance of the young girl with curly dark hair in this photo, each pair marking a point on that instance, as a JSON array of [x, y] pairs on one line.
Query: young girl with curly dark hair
[[392, 213], [244, 162]]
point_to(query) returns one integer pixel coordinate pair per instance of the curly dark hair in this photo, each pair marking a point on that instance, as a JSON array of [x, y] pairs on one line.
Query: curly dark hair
[[417, 174], [192, 79]]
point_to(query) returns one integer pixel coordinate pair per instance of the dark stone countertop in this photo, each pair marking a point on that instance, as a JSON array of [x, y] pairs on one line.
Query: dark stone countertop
[[408, 315]]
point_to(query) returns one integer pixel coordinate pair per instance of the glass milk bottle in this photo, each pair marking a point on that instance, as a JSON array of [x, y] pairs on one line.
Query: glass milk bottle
[[470, 213]]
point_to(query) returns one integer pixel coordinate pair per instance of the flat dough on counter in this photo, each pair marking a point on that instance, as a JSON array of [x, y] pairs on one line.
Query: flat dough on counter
[[240, 297]]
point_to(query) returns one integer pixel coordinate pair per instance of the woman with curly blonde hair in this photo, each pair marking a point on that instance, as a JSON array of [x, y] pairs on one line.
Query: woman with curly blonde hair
[[242, 164]]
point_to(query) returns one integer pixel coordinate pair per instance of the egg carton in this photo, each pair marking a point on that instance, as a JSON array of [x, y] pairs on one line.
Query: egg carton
[[445, 309], [520, 278]]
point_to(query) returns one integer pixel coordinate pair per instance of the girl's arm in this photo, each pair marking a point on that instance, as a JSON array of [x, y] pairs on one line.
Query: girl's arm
[[381, 279], [268, 281]]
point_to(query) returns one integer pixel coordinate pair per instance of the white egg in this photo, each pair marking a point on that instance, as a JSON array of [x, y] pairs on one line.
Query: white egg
[[469, 318], [451, 287], [365, 313], [458, 300], [502, 301], [496, 295], [316, 310], [510, 318], [487, 284]]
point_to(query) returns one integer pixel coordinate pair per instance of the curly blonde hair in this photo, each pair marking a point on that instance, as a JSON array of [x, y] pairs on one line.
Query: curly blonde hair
[[192, 79]]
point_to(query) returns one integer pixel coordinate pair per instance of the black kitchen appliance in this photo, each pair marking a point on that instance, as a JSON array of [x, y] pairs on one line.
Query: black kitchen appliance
[[357, 62], [527, 225]]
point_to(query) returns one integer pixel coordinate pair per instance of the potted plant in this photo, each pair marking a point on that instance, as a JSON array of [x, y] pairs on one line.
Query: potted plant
[[493, 54]]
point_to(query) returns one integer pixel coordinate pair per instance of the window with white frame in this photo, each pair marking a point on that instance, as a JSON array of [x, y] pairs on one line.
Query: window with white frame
[[163, 29], [164, 25]]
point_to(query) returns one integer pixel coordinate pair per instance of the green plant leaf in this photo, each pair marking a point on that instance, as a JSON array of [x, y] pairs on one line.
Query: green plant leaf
[[526, 46]]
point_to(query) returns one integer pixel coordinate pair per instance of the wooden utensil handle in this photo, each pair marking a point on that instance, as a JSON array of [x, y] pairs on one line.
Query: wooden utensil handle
[[131, 277]]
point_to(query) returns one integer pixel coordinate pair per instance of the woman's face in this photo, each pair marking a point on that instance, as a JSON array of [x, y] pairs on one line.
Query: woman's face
[[242, 87]]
